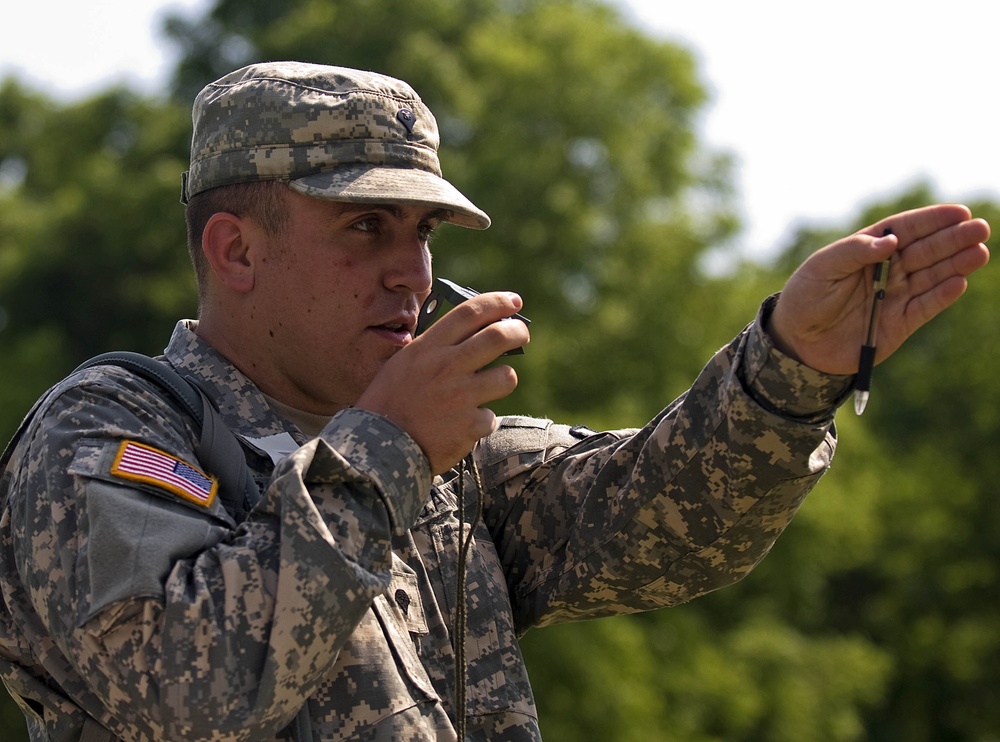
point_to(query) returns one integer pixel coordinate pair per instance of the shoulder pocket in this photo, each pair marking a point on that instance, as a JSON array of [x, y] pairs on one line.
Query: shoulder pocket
[[518, 444], [138, 466], [132, 533]]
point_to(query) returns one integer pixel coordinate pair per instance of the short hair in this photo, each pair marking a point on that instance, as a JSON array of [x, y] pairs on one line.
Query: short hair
[[261, 201]]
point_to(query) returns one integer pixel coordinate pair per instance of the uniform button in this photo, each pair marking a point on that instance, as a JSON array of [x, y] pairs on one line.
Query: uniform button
[[402, 600]]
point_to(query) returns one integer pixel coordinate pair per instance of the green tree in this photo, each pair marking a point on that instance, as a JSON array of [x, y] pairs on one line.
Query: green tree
[[93, 252], [873, 616], [875, 611], [572, 129], [575, 132], [932, 592], [92, 249]]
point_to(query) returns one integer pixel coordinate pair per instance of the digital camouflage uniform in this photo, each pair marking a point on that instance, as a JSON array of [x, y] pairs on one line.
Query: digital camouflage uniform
[[165, 620], [133, 601]]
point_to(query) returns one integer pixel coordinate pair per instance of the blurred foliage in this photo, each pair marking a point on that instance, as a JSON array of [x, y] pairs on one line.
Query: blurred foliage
[[92, 250], [874, 616], [574, 131]]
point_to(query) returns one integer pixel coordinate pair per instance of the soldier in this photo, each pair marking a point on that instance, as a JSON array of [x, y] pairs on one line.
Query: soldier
[[403, 538]]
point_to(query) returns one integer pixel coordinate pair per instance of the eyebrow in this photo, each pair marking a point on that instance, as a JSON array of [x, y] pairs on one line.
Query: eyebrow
[[396, 210]]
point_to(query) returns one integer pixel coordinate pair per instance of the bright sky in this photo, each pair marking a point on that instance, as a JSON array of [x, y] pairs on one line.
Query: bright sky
[[826, 106]]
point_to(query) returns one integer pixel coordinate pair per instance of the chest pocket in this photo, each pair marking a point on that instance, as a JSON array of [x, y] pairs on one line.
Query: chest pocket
[[496, 676], [403, 598]]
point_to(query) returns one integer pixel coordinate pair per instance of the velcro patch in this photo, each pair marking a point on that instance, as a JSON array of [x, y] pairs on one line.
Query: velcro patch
[[138, 462]]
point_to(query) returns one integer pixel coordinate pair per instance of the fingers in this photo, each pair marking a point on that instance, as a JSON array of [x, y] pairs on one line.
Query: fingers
[[956, 265], [921, 237], [930, 227], [913, 225], [475, 389], [924, 307], [957, 248], [824, 305], [929, 291], [939, 247], [480, 329], [929, 274], [436, 387]]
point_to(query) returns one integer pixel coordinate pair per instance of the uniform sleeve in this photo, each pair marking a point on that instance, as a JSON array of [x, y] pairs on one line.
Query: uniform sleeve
[[182, 624], [588, 525]]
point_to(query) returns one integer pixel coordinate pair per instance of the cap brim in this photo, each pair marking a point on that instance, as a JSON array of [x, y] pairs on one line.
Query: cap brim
[[375, 184]]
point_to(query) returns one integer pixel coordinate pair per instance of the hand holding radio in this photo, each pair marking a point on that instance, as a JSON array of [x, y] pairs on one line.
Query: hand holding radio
[[436, 387], [450, 292]]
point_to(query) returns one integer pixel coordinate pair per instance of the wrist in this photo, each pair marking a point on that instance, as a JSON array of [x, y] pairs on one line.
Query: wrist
[[779, 339], [781, 382]]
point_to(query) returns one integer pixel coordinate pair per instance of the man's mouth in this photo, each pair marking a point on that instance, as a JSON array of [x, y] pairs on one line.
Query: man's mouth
[[400, 333]]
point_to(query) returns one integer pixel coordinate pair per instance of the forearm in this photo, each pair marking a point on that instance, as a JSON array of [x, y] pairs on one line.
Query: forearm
[[687, 504]]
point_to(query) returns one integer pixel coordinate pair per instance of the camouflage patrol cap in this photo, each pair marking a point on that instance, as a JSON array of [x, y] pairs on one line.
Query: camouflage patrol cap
[[330, 132]]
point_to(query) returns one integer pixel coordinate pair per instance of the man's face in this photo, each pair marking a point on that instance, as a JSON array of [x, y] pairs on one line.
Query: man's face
[[336, 294]]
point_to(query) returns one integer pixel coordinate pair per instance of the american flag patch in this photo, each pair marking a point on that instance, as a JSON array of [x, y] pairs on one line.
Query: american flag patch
[[141, 463]]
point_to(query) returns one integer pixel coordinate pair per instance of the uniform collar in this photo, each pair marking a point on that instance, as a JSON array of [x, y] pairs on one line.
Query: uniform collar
[[242, 405]]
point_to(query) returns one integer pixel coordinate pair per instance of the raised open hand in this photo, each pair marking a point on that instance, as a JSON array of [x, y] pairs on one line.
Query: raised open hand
[[822, 313]]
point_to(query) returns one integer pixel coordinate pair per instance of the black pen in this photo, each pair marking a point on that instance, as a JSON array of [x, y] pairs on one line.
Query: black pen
[[866, 363]]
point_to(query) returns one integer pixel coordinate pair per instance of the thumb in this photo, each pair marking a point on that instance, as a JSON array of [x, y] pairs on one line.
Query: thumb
[[845, 259], [880, 249]]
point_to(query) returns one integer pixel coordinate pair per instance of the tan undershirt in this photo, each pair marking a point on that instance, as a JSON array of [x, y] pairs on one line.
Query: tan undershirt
[[309, 423]]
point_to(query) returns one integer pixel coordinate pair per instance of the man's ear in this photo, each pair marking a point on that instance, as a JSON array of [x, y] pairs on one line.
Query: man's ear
[[226, 243]]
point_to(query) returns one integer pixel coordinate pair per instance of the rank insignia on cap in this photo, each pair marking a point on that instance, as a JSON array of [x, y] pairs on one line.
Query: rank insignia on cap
[[140, 463], [406, 118]]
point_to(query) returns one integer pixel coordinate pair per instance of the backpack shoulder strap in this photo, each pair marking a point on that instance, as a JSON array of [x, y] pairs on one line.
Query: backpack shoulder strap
[[159, 373], [218, 448]]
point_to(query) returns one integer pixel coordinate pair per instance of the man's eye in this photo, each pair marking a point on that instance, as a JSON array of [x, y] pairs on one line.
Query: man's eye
[[368, 224]]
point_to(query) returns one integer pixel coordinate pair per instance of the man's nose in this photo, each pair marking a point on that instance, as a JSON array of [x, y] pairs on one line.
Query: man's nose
[[411, 268]]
